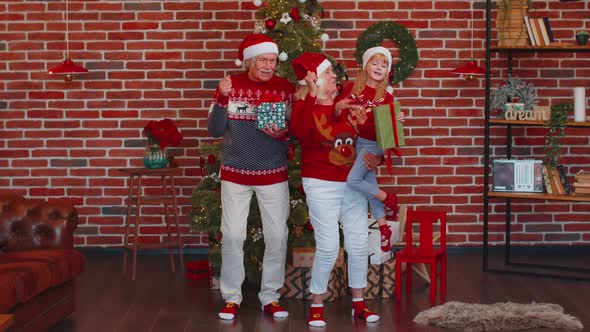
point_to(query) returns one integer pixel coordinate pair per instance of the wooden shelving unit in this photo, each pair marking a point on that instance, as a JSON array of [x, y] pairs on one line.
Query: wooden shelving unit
[[575, 198], [511, 266], [534, 123]]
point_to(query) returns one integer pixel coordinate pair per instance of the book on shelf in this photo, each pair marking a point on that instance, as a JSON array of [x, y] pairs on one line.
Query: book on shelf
[[557, 180], [529, 30], [548, 28], [582, 190], [582, 184], [536, 32], [563, 178], [582, 175], [547, 181], [544, 33]]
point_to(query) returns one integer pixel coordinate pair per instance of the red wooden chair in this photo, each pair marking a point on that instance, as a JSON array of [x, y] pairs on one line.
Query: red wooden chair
[[424, 252]]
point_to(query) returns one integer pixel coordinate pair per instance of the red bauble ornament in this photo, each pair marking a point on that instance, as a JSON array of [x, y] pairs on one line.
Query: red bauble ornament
[[295, 14], [270, 24], [308, 226], [211, 159]]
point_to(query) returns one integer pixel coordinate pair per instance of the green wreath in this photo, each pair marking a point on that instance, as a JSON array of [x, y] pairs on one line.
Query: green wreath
[[408, 53]]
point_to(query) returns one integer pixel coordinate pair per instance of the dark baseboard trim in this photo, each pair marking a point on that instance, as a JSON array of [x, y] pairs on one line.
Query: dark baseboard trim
[[95, 251]]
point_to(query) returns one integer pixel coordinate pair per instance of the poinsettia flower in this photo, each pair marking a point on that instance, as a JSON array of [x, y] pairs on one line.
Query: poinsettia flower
[[163, 132]]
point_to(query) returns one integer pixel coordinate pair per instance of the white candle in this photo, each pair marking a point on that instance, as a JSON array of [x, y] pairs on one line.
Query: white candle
[[579, 104]]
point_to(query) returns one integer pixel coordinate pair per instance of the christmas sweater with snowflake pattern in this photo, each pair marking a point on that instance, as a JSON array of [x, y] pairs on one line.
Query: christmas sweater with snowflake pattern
[[366, 98], [248, 155]]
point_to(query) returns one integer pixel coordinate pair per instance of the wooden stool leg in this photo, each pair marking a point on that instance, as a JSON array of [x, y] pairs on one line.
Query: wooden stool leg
[[178, 237], [168, 231], [126, 239], [137, 221]]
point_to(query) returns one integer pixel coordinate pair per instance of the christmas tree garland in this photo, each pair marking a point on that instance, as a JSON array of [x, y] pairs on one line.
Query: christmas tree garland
[[408, 52]]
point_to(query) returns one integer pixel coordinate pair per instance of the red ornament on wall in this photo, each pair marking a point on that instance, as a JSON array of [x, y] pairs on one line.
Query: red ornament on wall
[[270, 24]]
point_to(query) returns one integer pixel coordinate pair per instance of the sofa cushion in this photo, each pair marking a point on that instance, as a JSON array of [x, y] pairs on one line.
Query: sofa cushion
[[63, 264], [21, 281]]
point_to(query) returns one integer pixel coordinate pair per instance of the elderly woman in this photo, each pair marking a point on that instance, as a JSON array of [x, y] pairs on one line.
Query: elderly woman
[[328, 152]]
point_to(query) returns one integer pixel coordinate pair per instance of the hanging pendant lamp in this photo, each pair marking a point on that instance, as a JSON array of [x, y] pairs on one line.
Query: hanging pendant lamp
[[68, 68], [471, 70]]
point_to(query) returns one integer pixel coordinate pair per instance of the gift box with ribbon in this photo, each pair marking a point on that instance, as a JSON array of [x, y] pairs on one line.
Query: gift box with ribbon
[[380, 280], [298, 280], [271, 110], [303, 257], [390, 132], [198, 269]]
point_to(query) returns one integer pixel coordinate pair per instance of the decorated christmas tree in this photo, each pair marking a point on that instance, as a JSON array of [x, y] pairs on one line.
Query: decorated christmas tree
[[295, 26]]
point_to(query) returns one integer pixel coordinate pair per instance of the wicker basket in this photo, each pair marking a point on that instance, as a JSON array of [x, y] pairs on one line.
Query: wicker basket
[[510, 24]]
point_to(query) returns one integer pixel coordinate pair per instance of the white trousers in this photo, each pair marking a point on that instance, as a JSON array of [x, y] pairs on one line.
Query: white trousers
[[273, 201], [329, 202]]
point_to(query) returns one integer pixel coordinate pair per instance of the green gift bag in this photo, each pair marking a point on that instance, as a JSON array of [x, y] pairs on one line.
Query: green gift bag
[[390, 132]]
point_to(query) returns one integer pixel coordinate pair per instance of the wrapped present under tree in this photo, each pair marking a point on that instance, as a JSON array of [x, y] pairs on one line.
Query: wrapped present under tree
[[298, 280], [380, 281]]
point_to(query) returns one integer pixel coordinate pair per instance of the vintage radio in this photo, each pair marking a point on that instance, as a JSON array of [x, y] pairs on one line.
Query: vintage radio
[[517, 175]]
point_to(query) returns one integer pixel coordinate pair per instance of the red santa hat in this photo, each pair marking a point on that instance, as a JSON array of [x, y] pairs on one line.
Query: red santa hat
[[377, 50], [254, 45], [308, 61]]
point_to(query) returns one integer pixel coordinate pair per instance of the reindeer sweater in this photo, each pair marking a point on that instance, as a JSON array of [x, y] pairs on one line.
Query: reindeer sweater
[[248, 155], [327, 144]]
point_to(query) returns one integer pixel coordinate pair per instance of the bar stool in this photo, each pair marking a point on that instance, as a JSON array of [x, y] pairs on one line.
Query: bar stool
[[137, 199]]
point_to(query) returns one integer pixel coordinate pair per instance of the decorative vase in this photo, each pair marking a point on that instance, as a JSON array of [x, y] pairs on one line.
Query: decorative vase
[[582, 39], [154, 156]]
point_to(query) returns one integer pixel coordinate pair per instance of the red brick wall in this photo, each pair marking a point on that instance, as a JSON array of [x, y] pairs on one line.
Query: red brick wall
[[156, 59]]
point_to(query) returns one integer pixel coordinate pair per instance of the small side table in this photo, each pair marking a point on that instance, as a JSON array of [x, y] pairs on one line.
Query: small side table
[[137, 199], [6, 321]]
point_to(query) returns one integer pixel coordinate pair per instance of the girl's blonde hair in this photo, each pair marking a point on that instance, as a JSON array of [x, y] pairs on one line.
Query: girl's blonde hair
[[361, 81]]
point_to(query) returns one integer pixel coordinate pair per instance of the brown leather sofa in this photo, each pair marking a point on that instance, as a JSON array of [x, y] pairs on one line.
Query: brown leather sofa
[[38, 263]]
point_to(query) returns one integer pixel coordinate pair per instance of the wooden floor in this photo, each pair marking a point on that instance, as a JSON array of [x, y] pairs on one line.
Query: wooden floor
[[161, 301]]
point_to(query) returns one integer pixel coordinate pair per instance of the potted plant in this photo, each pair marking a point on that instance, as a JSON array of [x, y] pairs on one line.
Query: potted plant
[[556, 123], [582, 37]]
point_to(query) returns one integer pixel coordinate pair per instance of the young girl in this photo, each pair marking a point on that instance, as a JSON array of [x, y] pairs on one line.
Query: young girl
[[327, 153], [358, 98]]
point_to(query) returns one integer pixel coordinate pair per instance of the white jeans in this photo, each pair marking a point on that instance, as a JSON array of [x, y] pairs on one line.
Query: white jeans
[[273, 201], [328, 202]]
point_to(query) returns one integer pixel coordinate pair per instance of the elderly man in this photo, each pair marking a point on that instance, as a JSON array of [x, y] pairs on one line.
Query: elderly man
[[253, 160]]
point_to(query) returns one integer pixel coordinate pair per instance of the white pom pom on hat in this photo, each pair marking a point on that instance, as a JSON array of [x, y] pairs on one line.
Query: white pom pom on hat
[[254, 45], [377, 50]]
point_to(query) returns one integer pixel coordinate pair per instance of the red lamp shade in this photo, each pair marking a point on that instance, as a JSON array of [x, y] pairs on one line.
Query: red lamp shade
[[470, 70], [68, 68]]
